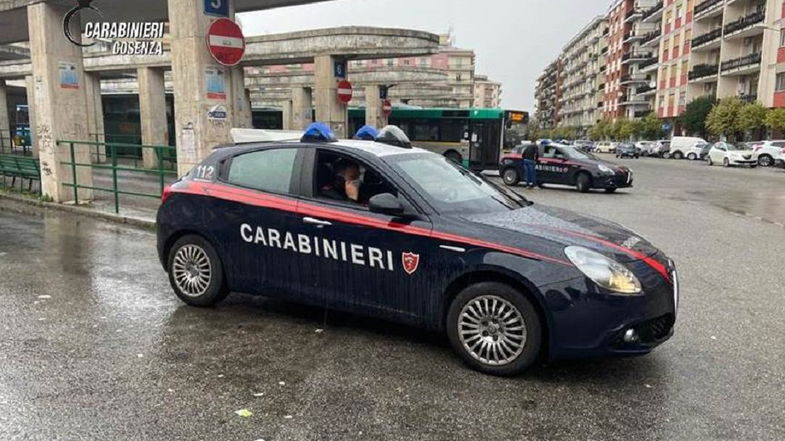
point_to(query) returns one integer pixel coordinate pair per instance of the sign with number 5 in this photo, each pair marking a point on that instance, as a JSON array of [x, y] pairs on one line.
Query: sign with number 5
[[216, 7]]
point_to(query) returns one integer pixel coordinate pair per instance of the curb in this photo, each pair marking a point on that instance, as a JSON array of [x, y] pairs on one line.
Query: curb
[[40, 205]]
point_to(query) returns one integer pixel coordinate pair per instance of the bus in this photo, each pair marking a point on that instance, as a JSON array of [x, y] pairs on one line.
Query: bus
[[473, 137]]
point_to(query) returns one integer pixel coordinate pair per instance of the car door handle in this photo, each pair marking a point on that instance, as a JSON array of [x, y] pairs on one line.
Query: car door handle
[[314, 221]]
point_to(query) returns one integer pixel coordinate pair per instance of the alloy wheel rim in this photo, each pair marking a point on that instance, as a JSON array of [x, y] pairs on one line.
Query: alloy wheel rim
[[492, 330], [192, 270], [508, 176], [765, 161]]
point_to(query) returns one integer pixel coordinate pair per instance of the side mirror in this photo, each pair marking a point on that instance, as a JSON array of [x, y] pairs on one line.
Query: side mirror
[[386, 203]]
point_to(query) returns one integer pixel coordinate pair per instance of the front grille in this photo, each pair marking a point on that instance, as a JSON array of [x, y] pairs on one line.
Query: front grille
[[655, 329]]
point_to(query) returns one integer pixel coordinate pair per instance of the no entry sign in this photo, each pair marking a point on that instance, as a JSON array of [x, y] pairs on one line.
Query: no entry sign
[[386, 107], [225, 42], [344, 91]]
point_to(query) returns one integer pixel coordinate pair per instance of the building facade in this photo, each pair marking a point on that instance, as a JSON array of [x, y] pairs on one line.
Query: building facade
[[487, 93], [547, 95], [583, 82]]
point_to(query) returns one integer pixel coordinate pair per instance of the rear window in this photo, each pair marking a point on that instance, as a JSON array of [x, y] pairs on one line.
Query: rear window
[[266, 170]]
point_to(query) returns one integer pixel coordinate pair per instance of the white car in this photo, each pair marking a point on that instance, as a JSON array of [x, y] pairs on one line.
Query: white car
[[605, 147], [728, 154], [660, 148], [686, 147], [645, 147], [767, 152]]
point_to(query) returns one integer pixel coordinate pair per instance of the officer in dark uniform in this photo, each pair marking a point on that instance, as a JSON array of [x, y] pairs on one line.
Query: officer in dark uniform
[[529, 156]]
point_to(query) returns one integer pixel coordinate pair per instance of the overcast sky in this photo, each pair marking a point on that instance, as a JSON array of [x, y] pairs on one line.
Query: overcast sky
[[513, 39]]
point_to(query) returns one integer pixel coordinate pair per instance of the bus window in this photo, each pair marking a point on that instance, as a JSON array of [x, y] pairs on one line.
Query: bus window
[[453, 130], [426, 131]]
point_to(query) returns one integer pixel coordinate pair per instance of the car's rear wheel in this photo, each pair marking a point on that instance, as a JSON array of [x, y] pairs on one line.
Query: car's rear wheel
[[583, 182], [495, 328], [510, 176], [195, 272], [692, 157], [765, 161]]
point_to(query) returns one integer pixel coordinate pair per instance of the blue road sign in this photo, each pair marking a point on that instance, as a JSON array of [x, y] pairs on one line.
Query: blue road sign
[[340, 69], [216, 7]]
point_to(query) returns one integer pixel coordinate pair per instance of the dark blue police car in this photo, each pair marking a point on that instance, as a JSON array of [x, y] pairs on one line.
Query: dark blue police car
[[387, 230]]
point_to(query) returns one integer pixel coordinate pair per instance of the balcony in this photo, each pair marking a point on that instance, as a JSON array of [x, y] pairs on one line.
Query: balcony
[[742, 63], [641, 113], [749, 98], [634, 14], [626, 79], [703, 71], [744, 23], [708, 6], [653, 13], [651, 37], [706, 38], [631, 57], [645, 89], [649, 62]]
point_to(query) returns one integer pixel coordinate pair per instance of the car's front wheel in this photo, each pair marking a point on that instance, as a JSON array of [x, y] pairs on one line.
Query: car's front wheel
[[709, 161], [692, 157], [765, 161], [583, 183], [495, 328], [510, 176], [195, 272], [726, 162]]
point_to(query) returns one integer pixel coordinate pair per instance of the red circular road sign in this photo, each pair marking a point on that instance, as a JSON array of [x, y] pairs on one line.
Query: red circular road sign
[[225, 42], [387, 107], [344, 91]]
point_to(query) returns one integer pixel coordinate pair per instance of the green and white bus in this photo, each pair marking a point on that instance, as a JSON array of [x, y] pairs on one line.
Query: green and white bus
[[475, 138]]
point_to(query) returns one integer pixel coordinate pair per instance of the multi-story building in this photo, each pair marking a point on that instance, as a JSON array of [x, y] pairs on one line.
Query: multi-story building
[[675, 50], [584, 77], [628, 58], [487, 93], [547, 94], [736, 50]]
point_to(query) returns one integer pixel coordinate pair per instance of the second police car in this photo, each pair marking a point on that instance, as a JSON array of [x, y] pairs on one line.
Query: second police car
[[383, 229], [567, 165]]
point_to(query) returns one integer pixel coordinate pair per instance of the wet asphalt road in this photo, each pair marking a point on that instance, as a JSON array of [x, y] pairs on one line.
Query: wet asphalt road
[[113, 355]]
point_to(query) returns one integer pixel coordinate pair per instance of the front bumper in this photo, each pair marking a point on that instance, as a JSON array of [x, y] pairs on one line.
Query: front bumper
[[587, 322], [743, 161], [618, 180]]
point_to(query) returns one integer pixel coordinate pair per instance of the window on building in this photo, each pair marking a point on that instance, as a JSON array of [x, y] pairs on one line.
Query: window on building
[[780, 86], [782, 38]]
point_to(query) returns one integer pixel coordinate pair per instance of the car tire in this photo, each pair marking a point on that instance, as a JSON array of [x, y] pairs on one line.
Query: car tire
[[765, 161], [678, 155], [692, 157], [196, 272], [666, 156], [454, 157], [725, 162], [510, 176], [476, 317], [709, 161], [583, 182]]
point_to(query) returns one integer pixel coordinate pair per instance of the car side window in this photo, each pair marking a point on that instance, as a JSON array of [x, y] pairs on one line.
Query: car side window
[[778, 144], [549, 152], [266, 170], [341, 178]]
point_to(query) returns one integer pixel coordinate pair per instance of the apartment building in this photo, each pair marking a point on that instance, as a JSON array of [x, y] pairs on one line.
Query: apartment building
[[487, 93], [583, 83], [547, 95], [736, 50]]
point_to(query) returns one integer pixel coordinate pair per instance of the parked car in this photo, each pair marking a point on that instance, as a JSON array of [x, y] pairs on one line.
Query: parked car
[[779, 160], [585, 145], [686, 147], [766, 152], [645, 147], [728, 154], [660, 148], [605, 147], [627, 150]]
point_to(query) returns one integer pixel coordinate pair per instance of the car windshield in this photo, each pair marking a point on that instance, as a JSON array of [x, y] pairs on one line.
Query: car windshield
[[573, 153], [451, 188]]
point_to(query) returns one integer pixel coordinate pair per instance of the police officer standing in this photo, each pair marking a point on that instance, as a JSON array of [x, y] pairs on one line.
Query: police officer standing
[[530, 155]]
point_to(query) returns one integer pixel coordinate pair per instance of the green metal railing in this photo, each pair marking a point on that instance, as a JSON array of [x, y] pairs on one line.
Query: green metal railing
[[129, 154], [160, 172]]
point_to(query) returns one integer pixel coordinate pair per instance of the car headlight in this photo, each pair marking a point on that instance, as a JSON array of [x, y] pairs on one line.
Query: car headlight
[[605, 272], [605, 169]]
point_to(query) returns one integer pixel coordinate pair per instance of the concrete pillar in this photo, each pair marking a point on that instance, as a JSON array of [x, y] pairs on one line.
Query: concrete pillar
[[191, 65], [60, 101], [328, 109], [373, 107], [5, 123], [30, 90], [242, 106], [286, 115], [95, 115], [152, 112], [302, 108]]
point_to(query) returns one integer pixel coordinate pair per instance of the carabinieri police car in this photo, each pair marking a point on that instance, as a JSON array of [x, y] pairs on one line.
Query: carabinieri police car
[[568, 165], [387, 230]]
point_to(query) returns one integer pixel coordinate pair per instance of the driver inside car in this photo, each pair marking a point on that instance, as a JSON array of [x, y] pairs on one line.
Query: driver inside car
[[346, 182]]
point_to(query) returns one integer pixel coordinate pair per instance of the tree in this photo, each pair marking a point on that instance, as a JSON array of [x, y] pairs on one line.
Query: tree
[[650, 127], [694, 117], [775, 120], [752, 118], [724, 117], [600, 130], [623, 129]]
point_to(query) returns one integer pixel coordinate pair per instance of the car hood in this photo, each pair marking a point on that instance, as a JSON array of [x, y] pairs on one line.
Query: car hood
[[569, 228]]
